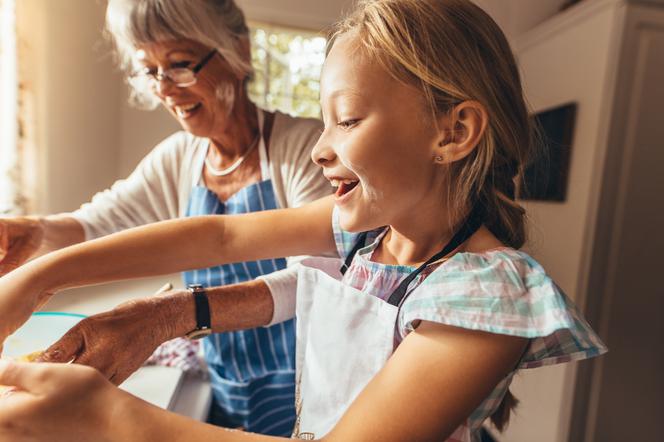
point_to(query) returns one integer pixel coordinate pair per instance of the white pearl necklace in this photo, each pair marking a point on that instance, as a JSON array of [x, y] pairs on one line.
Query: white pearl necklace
[[235, 165]]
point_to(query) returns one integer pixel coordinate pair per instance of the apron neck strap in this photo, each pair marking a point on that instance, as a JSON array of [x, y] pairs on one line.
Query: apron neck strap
[[266, 130], [467, 229], [356, 248]]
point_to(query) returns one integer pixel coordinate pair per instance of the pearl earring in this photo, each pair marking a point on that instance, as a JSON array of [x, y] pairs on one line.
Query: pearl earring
[[439, 159]]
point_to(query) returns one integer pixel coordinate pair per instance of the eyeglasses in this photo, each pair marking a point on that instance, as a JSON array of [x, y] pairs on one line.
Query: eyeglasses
[[179, 76]]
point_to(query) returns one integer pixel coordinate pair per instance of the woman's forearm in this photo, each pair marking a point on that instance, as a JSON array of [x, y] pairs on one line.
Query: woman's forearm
[[232, 307]]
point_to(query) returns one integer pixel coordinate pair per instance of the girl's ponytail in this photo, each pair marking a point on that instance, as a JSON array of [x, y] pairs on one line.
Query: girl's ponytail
[[503, 215], [501, 416]]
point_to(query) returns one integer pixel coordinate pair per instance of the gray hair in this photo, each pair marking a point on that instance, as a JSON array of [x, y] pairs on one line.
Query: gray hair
[[218, 24]]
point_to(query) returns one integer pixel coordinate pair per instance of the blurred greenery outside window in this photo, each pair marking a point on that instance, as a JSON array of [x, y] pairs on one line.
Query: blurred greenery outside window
[[287, 64]]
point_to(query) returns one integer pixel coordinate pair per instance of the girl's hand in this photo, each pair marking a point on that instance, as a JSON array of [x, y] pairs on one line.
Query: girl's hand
[[21, 293], [56, 402], [20, 238], [119, 341]]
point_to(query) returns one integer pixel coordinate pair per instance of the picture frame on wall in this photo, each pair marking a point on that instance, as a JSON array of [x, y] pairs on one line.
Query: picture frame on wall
[[546, 178]]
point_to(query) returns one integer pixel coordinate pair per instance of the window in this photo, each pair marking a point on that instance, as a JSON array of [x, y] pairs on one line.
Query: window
[[8, 109], [287, 66]]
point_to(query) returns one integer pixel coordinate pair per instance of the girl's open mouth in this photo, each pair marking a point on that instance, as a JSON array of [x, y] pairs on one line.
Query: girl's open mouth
[[344, 186]]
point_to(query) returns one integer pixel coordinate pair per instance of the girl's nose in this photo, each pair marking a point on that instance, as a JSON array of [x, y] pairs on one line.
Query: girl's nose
[[322, 154]]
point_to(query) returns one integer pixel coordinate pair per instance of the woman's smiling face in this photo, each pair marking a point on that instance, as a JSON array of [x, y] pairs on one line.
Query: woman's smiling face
[[198, 108], [378, 143]]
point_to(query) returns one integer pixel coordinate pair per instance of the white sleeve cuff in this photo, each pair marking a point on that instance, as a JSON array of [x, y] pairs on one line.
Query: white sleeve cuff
[[283, 288]]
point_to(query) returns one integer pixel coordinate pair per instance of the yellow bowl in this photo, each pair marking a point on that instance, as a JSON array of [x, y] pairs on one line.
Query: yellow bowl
[[30, 357]]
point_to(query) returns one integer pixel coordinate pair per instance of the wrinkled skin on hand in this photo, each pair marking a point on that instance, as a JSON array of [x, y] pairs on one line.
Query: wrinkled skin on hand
[[20, 238], [116, 342], [48, 398]]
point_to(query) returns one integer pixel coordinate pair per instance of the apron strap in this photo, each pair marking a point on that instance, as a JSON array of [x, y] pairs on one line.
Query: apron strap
[[265, 123], [267, 131], [358, 245], [468, 228]]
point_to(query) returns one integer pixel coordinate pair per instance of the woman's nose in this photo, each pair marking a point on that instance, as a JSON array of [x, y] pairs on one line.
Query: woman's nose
[[322, 154], [163, 86]]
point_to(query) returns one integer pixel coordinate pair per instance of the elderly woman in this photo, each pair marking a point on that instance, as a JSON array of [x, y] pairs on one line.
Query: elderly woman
[[193, 57]]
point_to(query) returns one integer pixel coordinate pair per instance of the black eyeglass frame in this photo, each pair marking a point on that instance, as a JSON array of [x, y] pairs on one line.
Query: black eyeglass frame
[[160, 76]]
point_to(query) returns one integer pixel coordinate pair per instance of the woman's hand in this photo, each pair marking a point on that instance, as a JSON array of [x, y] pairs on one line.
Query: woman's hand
[[119, 341], [57, 402], [20, 238]]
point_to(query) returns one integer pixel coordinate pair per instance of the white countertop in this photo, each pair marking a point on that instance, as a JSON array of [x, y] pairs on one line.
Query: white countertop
[[192, 397]]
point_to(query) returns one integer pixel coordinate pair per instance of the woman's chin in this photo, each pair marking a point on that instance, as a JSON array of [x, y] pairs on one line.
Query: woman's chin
[[195, 129]]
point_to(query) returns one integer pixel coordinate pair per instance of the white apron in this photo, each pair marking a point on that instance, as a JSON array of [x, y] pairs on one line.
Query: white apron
[[344, 337]]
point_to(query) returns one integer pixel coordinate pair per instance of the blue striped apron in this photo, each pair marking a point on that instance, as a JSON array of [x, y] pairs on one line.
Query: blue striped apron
[[252, 372]]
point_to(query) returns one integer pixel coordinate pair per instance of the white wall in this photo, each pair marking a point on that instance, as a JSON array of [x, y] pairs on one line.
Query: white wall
[[139, 131], [515, 16], [75, 87], [526, 14], [307, 14], [518, 16]]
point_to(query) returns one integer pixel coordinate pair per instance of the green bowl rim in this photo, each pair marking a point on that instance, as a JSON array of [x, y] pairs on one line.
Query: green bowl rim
[[75, 315]]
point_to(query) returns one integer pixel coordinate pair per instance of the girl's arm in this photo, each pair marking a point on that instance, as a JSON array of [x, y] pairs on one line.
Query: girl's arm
[[435, 379], [190, 243], [166, 247]]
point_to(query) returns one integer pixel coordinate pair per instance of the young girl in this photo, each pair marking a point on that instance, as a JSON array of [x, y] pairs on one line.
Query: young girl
[[417, 332]]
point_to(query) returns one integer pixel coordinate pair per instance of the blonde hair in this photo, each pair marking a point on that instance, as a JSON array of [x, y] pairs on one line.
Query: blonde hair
[[454, 52], [217, 24]]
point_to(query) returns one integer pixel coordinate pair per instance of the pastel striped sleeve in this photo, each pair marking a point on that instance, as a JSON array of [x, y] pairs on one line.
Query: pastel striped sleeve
[[505, 292]]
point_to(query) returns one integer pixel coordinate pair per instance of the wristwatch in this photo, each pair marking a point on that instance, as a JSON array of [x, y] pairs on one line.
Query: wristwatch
[[203, 322]]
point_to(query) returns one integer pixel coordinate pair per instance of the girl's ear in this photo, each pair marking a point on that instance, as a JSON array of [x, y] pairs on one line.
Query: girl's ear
[[460, 131]]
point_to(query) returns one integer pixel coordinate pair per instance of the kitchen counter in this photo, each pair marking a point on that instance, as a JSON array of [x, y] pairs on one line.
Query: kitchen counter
[[192, 397]]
